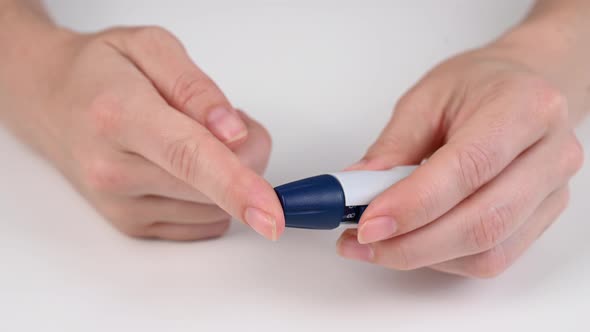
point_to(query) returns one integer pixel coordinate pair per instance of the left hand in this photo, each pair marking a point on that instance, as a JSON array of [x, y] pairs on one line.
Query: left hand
[[140, 131], [500, 149]]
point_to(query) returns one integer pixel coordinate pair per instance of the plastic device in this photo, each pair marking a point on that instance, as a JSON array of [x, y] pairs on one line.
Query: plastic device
[[329, 200]]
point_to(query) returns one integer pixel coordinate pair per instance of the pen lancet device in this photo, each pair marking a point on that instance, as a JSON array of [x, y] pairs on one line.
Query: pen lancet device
[[326, 201]]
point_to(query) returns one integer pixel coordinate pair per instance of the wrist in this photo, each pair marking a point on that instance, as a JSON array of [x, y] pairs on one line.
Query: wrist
[[33, 49], [544, 45], [24, 29], [553, 47]]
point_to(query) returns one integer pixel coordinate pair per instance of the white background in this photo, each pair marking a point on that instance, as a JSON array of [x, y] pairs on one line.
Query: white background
[[323, 76]]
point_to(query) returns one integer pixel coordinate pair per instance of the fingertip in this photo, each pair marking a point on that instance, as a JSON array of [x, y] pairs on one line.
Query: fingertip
[[263, 210], [280, 226], [356, 166], [348, 247], [227, 125], [236, 143], [350, 232], [371, 164], [262, 222], [377, 229], [279, 218]]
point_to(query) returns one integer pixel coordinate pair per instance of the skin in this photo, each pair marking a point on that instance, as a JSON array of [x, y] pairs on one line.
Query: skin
[[496, 127], [137, 128]]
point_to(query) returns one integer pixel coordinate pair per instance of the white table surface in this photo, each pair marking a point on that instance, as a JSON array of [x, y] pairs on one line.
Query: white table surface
[[323, 76]]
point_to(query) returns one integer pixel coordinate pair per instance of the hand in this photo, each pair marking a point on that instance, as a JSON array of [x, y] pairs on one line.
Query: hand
[[142, 133], [500, 151]]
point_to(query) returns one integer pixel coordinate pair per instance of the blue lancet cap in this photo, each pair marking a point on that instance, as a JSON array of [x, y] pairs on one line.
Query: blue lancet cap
[[314, 203]]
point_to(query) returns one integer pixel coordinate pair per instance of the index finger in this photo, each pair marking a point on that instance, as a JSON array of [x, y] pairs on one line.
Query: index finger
[[474, 155], [162, 58], [187, 150]]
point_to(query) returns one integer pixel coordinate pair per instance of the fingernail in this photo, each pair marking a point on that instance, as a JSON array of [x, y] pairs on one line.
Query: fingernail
[[226, 125], [358, 165], [377, 229], [350, 248], [261, 222]]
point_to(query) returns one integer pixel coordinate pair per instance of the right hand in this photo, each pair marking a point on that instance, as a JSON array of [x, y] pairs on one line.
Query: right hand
[[142, 133]]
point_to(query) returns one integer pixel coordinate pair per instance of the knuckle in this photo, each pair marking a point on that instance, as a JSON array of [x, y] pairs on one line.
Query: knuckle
[[407, 102], [426, 202], [175, 232], [546, 102], [106, 114], [573, 156], [389, 147], [132, 229], [154, 35], [265, 141], [224, 226], [105, 177], [417, 99], [563, 199], [153, 41], [560, 199], [394, 255], [125, 221], [190, 87], [185, 157], [217, 230], [489, 228], [475, 163], [490, 264], [389, 143]]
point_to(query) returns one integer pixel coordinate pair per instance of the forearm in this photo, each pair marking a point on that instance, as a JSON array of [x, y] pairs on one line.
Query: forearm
[[30, 50], [18, 16], [25, 27], [555, 41], [34, 5]]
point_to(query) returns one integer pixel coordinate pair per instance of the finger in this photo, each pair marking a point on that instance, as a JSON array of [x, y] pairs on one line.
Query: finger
[[164, 60], [488, 217], [349, 247], [496, 260], [153, 180], [479, 151], [131, 175], [188, 151], [153, 208], [254, 153], [412, 132], [181, 232]]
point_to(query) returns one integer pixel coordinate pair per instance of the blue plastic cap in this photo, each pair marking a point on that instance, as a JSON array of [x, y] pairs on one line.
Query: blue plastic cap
[[313, 203]]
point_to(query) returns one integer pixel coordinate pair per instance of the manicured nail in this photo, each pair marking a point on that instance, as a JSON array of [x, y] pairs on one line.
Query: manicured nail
[[377, 229], [261, 222], [226, 125], [350, 248], [358, 165]]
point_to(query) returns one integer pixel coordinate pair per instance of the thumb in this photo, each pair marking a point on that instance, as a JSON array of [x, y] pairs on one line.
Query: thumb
[[165, 62], [188, 151], [412, 133]]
